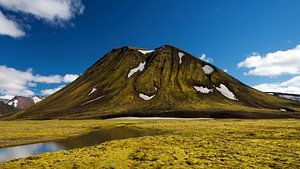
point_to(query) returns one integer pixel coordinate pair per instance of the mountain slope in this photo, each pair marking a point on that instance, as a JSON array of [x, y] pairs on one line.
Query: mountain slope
[[4, 108], [165, 82], [4, 100]]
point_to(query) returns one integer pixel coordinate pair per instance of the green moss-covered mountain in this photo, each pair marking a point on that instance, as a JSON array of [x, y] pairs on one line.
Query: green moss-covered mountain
[[167, 81]]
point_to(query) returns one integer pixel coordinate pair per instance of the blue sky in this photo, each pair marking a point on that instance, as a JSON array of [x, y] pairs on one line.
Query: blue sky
[[70, 41]]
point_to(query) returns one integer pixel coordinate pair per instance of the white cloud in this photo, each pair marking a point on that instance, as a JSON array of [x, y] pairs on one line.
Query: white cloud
[[274, 63], [47, 79], [51, 91], [70, 78], [50, 10], [7, 97], [15, 82], [9, 27], [289, 86], [206, 59]]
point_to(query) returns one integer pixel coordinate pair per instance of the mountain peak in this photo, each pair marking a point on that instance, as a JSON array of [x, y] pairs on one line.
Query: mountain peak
[[167, 46]]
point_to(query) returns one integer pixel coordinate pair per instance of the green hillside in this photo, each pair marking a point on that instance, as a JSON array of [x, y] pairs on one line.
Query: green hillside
[[168, 81]]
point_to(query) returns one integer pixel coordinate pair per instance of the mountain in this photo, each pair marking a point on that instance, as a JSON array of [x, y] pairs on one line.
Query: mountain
[[4, 108], [167, 81], [21, 102], [4, 100], [18, 103], [286, 95]]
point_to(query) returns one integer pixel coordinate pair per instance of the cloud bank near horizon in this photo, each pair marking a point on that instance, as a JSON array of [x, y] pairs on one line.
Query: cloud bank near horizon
[[15, 82], [275, 64]]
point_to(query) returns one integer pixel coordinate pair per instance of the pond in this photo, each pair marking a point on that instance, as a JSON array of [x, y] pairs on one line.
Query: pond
[[93, 138]]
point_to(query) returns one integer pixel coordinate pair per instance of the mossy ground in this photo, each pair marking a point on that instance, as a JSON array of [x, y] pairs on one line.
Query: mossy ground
[[184, 144]]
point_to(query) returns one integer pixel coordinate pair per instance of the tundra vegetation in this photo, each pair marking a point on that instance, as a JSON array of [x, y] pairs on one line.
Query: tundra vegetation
[[229, 143]]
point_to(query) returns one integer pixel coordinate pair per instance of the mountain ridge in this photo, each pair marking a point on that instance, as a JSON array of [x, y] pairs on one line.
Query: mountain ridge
[[18, 103], [21, 102], [130, 80], [286, 95]]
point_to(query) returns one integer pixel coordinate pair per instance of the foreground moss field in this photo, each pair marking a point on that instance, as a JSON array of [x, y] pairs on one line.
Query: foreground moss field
[[229, 143]]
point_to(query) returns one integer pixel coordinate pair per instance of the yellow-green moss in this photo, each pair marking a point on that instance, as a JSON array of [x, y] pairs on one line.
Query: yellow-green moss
[[186, 144]]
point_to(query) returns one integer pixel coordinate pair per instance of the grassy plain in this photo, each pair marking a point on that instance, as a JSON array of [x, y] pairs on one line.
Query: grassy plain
[[227, 143]]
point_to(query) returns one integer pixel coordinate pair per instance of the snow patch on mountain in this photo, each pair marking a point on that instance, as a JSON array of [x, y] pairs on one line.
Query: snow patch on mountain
[[92, 91], [161, 48], [141, 67], [226, 92], [202, 89], [283, 110], [146, 51], [92, 100], [36, 99], [180, 55], [146, 97], [13, 103], [208, 69]]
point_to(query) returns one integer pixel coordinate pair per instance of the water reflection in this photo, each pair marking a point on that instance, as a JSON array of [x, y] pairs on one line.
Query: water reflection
[[93, 138], [27, 150]]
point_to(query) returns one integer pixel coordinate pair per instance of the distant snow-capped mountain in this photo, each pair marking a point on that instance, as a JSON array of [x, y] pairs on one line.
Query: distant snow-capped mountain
[[21, 102], [18, 103], [286, 95]]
